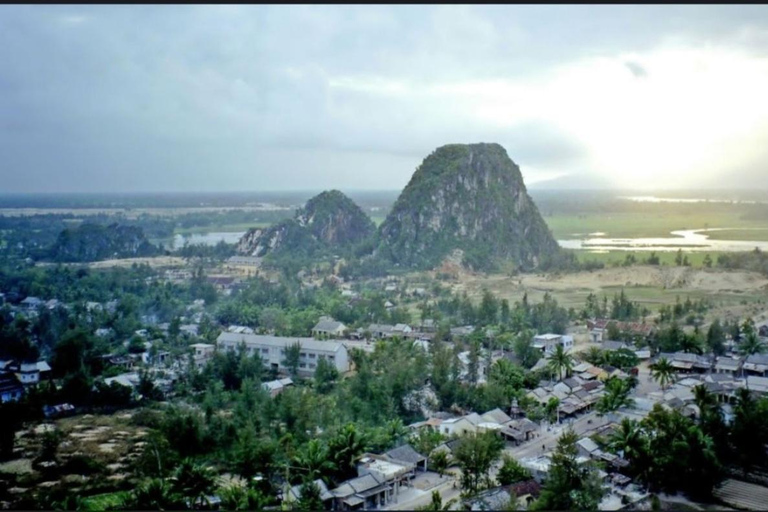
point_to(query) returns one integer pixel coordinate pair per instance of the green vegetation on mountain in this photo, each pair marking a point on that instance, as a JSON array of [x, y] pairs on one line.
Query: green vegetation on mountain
[[469, 197], [329, 220], [93, 242]]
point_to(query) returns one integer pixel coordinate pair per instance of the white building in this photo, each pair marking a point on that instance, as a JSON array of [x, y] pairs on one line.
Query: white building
[[547, 342], [202, 353], [272, 350]]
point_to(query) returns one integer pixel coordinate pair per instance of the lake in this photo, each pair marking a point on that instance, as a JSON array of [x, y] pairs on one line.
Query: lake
[[212, 238]]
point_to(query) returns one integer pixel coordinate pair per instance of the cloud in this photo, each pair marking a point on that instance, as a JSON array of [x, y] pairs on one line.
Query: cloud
[[636, 69], [208, 97]]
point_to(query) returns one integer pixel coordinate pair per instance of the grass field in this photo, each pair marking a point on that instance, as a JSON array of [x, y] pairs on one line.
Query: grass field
[[756, 234], [610, 258], [634, 225]]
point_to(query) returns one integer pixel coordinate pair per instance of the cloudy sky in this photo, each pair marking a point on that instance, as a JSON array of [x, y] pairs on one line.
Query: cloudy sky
[[215, 98]]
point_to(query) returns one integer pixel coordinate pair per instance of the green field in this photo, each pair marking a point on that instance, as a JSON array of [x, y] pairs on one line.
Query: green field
[[609, 258], [635, 225], [756, 234]]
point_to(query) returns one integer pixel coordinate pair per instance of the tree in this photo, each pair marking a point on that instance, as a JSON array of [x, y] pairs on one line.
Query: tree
[[594, 355], [526, 354], [438, 461], [153, 494], [707, 261], [475, 454], [314, 459], [326, 376], [345, 447], [511, 471], [616, 395], [570, 486], [716, 338], [310, 498], [236, 497], [663, 372], [751, 344], [292, 358], [193, 482], [488, 311], [628, 440], [613, 332], [679, 258], [560, 362], [474, 361]]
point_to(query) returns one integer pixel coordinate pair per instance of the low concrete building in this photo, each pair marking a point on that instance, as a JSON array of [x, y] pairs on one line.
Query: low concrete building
[[547, 342], [272, 350], [328, 327], [202, 353]]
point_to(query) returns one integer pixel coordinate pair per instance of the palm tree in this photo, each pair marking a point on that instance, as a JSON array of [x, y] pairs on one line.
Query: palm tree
[[703, 399], [560, 362], [628, 438], [616, 395], [751, 345], [314, 459], [153, 494], [236, 497], [193, 481], [344, 448], [594, 355], [663, 372]]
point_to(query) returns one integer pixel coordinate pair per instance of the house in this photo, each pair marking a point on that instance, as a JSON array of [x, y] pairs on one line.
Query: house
[[401, 329], [428, 325], [362, 493], [408, 455], [458, 426], [202, 353], [31, 304], [547, 342], [380, 330], [275, 387], [28, 373], [598, 329], [728, 365], [247, 262], [130, 380], [756, 364], [222, 283], [463, 331], [294, 493], [329, 327], [272, 350], [10, 387]]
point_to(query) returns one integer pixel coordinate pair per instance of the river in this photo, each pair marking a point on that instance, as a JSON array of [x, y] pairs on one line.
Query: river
[[689, 240]]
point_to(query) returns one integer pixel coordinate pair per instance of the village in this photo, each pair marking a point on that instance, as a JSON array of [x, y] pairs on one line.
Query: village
[[403, 478]]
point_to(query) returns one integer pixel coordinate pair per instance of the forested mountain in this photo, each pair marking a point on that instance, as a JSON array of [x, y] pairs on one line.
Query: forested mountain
[[328, 220], [469, 197]]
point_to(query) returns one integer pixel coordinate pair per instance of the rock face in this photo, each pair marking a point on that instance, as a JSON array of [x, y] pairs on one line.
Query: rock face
[[93, 242], [469, 197], [328, 220]]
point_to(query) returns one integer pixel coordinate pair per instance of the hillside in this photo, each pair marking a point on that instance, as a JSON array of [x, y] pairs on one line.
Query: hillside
[[94, 242], [469, 197], [328, 220]]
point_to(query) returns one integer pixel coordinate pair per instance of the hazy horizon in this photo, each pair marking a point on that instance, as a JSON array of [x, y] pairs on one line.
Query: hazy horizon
[[196, 98]]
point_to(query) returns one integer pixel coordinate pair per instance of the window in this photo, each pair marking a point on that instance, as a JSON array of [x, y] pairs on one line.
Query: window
[[312, 366], [282, 351], [331, 358], [312, 356], [322, 356], [303, 354], [303, 365], [265, 351]]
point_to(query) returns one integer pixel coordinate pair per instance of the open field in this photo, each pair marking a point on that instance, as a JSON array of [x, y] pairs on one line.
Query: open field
[[657, 224], [733, 293], [757, 234]]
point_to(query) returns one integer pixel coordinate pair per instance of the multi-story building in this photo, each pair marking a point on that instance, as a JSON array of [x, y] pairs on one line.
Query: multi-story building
[[272, 350]]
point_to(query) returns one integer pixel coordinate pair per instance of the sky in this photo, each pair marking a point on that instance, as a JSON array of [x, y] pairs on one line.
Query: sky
[[138, 98]]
